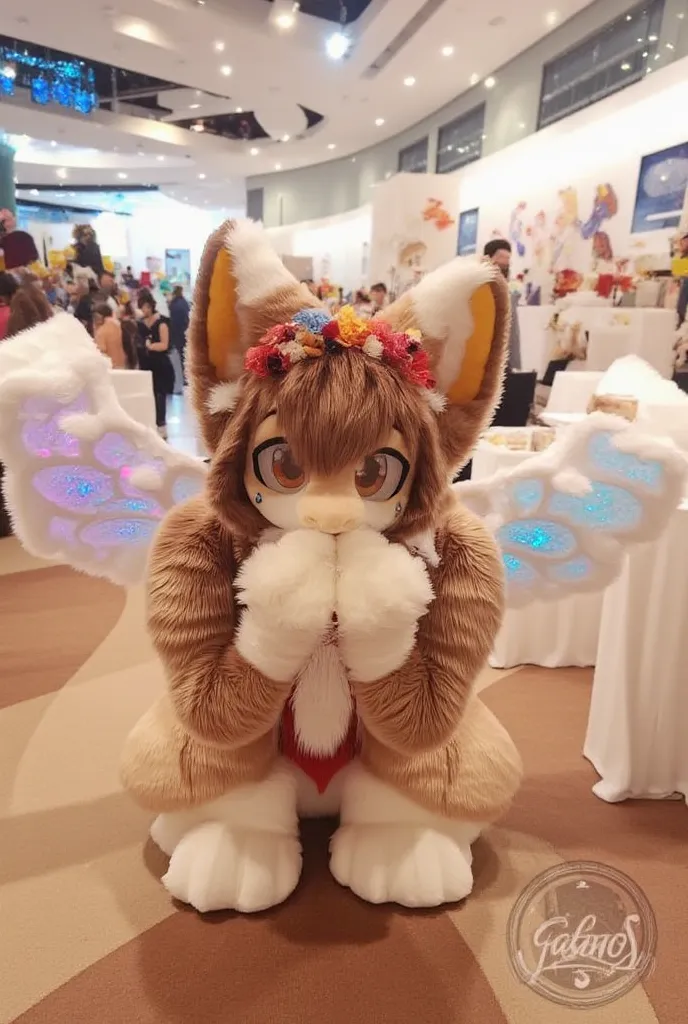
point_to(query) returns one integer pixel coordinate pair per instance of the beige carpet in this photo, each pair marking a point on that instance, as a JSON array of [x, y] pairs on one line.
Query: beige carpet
[[89, 936]]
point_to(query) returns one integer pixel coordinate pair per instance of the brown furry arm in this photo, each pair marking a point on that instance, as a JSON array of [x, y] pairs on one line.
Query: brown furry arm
[[192, 615], [419, 706]]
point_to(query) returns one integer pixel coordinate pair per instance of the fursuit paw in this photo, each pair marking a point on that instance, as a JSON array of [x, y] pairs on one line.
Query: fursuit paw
[[409, 865], [214, 867], [380, 584], [291, 583]]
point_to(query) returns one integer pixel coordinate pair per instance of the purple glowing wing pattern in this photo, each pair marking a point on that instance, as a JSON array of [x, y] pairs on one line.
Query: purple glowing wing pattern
[[84, 483], [564, 518]]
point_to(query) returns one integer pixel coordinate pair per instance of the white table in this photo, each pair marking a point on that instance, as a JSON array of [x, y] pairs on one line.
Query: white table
[[572, 390], [535, 340], [649, 333], [553, 634], [135, 393], [637, 737]]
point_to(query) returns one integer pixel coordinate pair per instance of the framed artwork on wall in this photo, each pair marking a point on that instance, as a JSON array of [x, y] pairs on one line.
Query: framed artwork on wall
[[178, 266], [661, 190], [467, 241]]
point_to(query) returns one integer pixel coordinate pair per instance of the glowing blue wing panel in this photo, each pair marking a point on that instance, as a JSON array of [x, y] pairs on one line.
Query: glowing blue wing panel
[[564, 518], [85, 484]]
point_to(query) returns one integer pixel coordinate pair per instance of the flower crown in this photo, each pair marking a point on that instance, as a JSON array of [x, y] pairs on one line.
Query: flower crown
[[312, 333]]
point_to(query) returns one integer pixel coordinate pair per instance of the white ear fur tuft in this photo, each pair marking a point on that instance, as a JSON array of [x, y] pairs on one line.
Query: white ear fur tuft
[[223, 397], [258, 269], [442, 305], [436, 401]]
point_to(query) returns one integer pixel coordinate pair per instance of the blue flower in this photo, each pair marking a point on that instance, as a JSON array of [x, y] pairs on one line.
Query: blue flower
[[312, 319]]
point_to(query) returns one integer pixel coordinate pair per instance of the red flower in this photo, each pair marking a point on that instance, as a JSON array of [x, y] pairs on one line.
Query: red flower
[[278, 335], [264, 360], [331, 331]]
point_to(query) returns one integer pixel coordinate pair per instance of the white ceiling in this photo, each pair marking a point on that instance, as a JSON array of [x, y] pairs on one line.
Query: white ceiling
[[178, 40]]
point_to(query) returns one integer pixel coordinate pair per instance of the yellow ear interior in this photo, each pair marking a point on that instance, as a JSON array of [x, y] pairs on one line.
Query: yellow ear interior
[[222, 322], [466, 387]]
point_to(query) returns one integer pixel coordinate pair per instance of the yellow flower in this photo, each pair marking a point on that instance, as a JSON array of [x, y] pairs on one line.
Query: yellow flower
[[352, 330]]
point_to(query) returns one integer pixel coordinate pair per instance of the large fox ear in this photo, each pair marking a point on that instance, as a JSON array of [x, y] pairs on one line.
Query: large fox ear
[[242, 290], [463, 312]]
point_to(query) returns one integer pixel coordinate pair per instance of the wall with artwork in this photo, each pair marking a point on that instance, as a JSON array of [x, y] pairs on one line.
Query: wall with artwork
[[586, 195], [415, 220]]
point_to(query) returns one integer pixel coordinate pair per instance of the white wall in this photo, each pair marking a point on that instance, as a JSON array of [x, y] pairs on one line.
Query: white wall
[[556, 173], [168, 225], [339, 246]]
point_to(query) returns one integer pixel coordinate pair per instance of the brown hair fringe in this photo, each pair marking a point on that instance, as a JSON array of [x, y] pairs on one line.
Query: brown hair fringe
[[334, 411]]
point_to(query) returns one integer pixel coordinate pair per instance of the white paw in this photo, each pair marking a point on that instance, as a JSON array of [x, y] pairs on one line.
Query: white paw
[[412, 866], [380, 584], [217, 868], [291, 583], [168, 830]]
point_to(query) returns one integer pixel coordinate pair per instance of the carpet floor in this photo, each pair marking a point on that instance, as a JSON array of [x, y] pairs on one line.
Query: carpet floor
[[88, 935]]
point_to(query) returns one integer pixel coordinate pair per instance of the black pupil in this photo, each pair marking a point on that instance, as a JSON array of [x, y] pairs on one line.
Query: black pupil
[[287, 466], [371, 472]]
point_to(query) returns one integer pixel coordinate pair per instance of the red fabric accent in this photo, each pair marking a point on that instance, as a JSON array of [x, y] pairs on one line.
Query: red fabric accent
[[321, 769]]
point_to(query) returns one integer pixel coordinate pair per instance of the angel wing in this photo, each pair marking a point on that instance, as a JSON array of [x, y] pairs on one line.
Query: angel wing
[[563, 519], [84, 483]]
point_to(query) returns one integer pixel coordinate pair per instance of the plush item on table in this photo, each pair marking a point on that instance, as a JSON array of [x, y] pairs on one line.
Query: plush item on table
[[321, 599]]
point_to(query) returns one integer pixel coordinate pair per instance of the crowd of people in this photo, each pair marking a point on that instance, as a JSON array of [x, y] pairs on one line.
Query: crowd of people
[[122, 318]]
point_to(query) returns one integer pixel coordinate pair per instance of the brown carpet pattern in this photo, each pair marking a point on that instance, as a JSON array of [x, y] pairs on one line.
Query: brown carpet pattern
[[89, 936]]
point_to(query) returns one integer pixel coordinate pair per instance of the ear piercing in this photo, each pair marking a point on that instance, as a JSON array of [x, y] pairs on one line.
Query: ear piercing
[[258, 498], [398, 509]]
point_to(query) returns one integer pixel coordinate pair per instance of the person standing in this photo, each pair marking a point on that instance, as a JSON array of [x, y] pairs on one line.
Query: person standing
[[155, 337], [108, 336], [179, 324], [498, 251]]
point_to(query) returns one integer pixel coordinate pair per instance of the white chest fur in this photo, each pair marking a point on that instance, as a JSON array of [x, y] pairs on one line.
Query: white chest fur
[[322, 702]]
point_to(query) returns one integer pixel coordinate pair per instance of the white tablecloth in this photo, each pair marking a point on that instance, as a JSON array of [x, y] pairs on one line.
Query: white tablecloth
[[637, 736], [135, 393], [648, 334], [572, 391], [553, 633], [535, 341]]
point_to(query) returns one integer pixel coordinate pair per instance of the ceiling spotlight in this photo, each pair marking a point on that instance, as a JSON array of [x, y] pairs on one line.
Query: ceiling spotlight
[[379, 121], [552, 17], [219, 46], [625, 66], [278, 167], [474, 79], [225, 70], [121, 175], [34, 191], [198, 127], [447, 51], [194, 106], [53, 143], [283, 15], [490, 82], [337, 45], [239, 110], [72, 195], [409, 81], [254, 151], [160, 157], [285, 138], [201, 177], [332, 145], [61, 173]]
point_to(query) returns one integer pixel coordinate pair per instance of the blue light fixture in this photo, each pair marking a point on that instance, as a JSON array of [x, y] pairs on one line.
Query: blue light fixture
[[69, 83]]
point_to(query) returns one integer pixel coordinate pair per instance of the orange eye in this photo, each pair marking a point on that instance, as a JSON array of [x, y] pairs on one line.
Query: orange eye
[[276, 467], [382, 475]]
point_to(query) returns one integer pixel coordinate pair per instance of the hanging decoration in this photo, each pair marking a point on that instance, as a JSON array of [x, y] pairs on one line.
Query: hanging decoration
[[66, 81]]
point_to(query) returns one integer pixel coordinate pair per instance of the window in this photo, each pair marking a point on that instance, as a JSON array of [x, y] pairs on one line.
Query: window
[[414, 159], [619, 54], [461, 141]]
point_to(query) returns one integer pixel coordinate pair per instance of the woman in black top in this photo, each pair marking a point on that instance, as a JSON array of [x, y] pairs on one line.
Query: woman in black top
[[179, 324], [155, 337]]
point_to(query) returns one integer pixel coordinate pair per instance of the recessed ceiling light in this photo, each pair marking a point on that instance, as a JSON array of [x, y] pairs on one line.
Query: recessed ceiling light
[[552, 17], [72, 194], [669, 46], [194, 106], [53, 143], [652, 39], [219, 46], [332, 145], [379, 121], [160, 157], [122, 175], [198, 127], [409, 81], [285, 138], [474, 79], [522, 124], [278, 167], [254, 151], [239, 110], [61, 173], [201, 177], [225, 70], [625, 66], [337, 45], [490, 82], [353, 159], [34, 191], [447, 51]]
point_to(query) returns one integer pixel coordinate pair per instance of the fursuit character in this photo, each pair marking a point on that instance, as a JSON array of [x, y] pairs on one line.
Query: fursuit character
[[321, 598]]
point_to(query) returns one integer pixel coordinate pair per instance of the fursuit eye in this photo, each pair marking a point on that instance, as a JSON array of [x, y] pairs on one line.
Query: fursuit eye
[[382, 475], [275, 466]]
